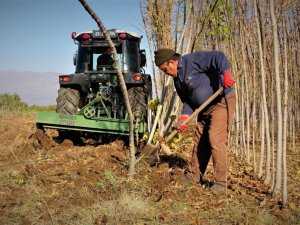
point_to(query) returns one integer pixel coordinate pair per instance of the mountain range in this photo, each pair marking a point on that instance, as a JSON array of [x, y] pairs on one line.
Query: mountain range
[[34, 88]]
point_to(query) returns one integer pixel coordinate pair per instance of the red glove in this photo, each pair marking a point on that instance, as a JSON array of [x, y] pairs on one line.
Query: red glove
[[228, 80], [181, 119]]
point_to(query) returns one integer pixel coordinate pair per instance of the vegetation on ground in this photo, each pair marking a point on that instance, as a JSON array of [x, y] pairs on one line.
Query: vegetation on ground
[[14, 103]]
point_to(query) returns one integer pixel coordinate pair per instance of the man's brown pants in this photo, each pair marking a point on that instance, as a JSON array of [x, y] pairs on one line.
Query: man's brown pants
[[210, 139]]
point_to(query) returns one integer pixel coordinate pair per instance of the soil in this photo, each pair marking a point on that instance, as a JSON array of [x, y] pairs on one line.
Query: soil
[[43, 181]]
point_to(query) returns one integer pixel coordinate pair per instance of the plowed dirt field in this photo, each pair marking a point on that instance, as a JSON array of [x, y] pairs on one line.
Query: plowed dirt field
[[46, 182]]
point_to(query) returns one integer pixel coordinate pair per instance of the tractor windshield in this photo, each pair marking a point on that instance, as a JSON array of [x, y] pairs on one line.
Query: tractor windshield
[[91, 58], [88, 57]]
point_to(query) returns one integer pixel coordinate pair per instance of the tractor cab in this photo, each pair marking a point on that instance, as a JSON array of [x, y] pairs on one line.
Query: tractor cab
[[92, 44]]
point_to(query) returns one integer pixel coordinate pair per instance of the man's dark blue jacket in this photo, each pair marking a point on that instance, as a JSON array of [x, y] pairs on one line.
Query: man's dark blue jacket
[[200, 74]]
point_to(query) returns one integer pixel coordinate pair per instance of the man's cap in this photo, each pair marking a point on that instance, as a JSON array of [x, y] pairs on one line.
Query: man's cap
[[163, 55]]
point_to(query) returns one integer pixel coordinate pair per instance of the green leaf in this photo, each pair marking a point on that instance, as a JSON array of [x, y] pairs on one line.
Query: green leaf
[[173, 117], [20, 181], [153, 104]]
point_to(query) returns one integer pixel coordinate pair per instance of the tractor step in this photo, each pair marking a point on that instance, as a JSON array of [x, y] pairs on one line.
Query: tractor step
[[61, 121]]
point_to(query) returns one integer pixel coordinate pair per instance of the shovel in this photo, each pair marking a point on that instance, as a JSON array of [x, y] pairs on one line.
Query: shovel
[[150, 151]]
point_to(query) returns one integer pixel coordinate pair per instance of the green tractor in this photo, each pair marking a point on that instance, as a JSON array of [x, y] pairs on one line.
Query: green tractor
[[90, 101]]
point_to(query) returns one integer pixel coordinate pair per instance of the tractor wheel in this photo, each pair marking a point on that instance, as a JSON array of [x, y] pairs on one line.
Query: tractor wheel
[[68, 101], [138, 100]]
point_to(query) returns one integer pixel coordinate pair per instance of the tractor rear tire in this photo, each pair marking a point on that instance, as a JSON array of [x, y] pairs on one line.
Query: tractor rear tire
[[138, 100], [68, 101]]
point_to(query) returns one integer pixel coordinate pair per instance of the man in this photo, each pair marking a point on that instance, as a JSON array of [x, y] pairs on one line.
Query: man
[[105, 58], [196, 77]]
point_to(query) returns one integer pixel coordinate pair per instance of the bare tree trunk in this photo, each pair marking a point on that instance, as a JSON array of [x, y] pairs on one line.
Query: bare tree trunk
[[285, 112], [254, 116], [122, 84], [278, 181], [237, 112], [188, 46], [262, 142], [264, 98], [242, 102], [272, 130], [184, 30], [295, 71], [245, 105], [150, 40]]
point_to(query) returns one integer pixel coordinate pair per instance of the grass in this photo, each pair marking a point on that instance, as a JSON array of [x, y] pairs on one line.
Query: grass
[[139, 184], [127, 208], [236, 213], [109, 181]]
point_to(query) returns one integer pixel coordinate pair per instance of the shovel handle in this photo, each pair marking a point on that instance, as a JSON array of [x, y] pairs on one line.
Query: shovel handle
[[198, 110]]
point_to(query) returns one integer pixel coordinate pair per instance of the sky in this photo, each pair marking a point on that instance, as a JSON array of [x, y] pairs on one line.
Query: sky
[[36, 34]]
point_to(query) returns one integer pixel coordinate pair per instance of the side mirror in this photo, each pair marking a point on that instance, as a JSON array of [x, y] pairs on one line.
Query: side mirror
[[143, 58], [75, 59]]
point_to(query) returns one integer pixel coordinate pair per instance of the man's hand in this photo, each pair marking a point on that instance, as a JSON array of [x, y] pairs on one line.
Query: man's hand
[[228, 80], [181, 119]]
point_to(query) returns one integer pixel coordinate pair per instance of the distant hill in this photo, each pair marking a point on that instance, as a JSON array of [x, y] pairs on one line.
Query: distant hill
[[34, 88]]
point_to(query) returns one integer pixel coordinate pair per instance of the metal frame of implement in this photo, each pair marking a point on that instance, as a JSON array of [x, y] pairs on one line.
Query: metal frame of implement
[[80, 123]]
